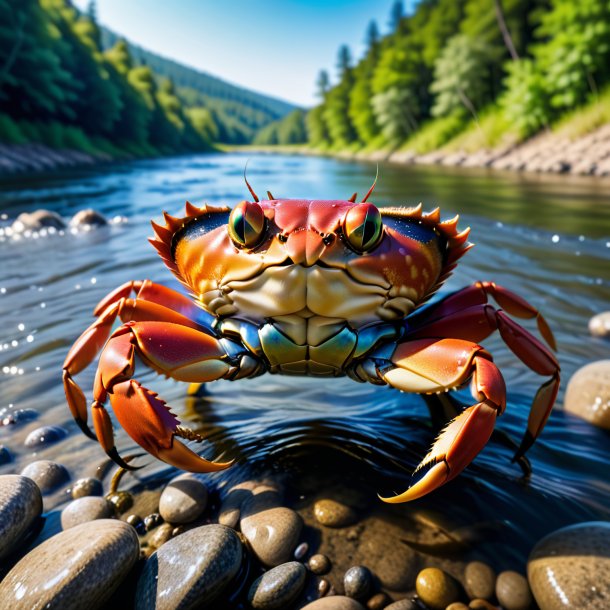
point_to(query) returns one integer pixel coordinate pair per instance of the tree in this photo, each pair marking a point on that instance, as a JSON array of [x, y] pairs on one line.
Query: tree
[[322, 84], [396, 14]]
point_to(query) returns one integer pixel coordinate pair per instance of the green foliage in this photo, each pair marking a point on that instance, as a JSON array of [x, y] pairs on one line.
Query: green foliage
[[317, 134], [434, 134], [288, 131]]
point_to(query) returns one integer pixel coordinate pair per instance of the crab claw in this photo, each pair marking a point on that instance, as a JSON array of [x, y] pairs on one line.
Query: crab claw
[[151, 424]]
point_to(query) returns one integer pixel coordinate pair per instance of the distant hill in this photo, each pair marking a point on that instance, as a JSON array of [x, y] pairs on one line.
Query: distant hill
[[239, 113]]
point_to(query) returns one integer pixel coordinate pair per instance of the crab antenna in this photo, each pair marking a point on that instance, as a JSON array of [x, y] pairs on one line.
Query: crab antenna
[[353, 198], [248, 184], [271, 197], [372, 185]]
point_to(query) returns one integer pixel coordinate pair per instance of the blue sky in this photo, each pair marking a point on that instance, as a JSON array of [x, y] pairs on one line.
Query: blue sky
[[272, 46]]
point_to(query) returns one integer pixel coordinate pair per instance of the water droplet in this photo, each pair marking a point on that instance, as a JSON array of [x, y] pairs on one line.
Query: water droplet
[[3, 290], [21, 326], [93, 280], [555, 239], [14, 343], [29, 338], [43, 305]]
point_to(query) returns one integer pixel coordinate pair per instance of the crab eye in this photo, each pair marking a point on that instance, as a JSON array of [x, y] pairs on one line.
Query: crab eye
[[246, 224], [363, 227]]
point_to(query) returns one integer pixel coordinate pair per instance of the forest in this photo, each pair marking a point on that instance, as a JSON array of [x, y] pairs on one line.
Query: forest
[[474, 73]]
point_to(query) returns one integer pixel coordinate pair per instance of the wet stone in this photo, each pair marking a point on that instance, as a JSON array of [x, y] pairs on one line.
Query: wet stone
[[121, 500], [88, 486], [588, 393], [183, 499], [378, 602], [334, 602], [39, 219], [323, 587], [457, 606], [88, 217], [9, 417], [46, 474], [479, 580], [436, 588], [334, 514], [481, 604], [20, 507], [162, 535], [357, 582], [278, 587], [85, 509], [136, 522], [5, 455], [403, 604], [191, 570], [79, 568], [301, 551], [44, 436], [599, 325], [153, 520], [572, 563], [319, 564], [513, 592]]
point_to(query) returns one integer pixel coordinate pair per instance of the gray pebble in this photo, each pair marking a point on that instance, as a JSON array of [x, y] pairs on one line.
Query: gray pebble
[[301, 551], [10, 417], [513, 592], [46, 474], [20, 506], [278, 587], [357, 582], [88, 486], [44, 436], [479, 580], [85, 509], [332, 513], [183, 499], [319, 564], [191, 570], [79, 568], [334, 602], [5, 455]]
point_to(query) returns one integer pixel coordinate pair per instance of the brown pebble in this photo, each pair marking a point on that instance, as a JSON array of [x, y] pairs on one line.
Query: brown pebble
[[404, 604], [513, 591], [162, 535], [481, 604], [89, 486], [479, 580], [457, 606], [323, 587], [153, 520], [334, 514], [177, 531], [319, 564], [353, 535], [122, 501], [378, 602], [134, 520], [436, 588]]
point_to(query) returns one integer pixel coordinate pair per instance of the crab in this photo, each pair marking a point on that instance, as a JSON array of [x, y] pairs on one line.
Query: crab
[[301, 287]]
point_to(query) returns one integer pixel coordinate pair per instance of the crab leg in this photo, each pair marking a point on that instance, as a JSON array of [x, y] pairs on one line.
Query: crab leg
[[436, 365]]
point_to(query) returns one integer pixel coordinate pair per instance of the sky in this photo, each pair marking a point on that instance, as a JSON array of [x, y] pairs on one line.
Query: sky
[[275, 47]]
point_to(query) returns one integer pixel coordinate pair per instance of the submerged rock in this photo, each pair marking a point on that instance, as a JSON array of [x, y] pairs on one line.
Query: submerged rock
[[436, 588], [46, 474], [588, 393], [332, 513], [40, 219], [76, 569], [570, 568], [357, 582], [479, 580], [513, 592], [88, 218], [277, 588], [44, 436]]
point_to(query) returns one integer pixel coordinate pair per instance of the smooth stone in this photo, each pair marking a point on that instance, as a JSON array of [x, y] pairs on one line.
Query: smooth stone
[[301, 551], [334, 514], [457, 606], [5, 455], [588, 393], [357, 582], [479, 580], [481, 604], [162, 535], [20, 506], [436, 588], [278, 587], [334, 602], [88, 217], [183, 499], [44, 436], [39, 219], [378, 602], [76, 569], [85, 509], [319, 564], [121, 500], [403, 604], [153, 520], [191, 570], [570, 568], [88, 486], [513, 592], [46, 474], [273, 534], [10, 417], [599, 325]]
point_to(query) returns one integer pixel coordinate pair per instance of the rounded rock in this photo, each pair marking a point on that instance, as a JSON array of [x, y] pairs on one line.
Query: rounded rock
[[39, 219], [162, 535], [191, 570], [513, 592], [278, 587], [46, 474], [357, 582], [334, 602], [76, 569], [599, 325], [436, 588], [44, 436], [183, 500], [378, 602], [88, 486], [17, 416], [479, 580], [457, 606], [572, 564], [20, 506], [88, 217], [403, 604], [319, 564], [481, 604], [334, 514], [121, 500], [151, 521], [5, 455], [85, 509], [301, 551], [588, 393]]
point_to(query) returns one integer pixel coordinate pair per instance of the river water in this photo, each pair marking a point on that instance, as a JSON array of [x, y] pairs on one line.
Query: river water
[[545, 237]]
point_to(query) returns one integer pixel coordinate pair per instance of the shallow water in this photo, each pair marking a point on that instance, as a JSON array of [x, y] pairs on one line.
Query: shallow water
[[547, 238]]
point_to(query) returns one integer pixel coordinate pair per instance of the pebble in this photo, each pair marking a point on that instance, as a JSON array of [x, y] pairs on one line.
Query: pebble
[[457, 606], [378, 602], [273, 534], [20, 507], [335, 602], [88, 486], [136, 522], [334, 514], [573, 564], [323, 587], [588, 393], [403, 604], [85, 509], [34, 221], [161, 536], [153, 520], [88, 217], [46, 474], [479, 580], [191, 570], [357, 582], [79, 568], [183, 499], [301, 551], [481, 604], [230, 508], [513, 592], [17, 416], [5, 455], [599, 325], [319, 564], [44, 436], [278, 587], [436, 588], [122, 501]]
